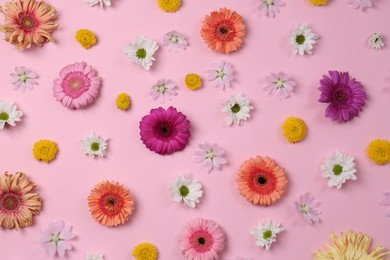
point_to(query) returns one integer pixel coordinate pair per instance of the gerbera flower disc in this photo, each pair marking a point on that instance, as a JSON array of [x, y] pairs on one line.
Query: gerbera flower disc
[[78, 85], [261, 181], [223, 30], [110, 203], [165, 131], [18, 204], [202, 239], [28, 22]]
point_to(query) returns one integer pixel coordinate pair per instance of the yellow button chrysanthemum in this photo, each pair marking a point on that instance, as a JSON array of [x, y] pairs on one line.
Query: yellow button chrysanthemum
[[318, 2], [123, 101], [170, 6], [294, 129], [145, 251], [379, 151], [45, 150], [86, 38], [193, 81]]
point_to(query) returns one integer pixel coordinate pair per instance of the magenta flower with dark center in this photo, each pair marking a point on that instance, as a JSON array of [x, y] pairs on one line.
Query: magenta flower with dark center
[[346, 97], [165, 131]]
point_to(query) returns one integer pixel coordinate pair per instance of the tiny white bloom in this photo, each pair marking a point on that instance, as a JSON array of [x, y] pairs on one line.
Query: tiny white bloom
[[9, 114], [266, 233], [281, 84], [237, 109], [94, 145], [186, 189], [90, 256], [376, 41], [141, 51], [162, 90], [339, 168], [23, 79], [100, 2], [175, 41], [303, 39], [221, 74], [211, 156]]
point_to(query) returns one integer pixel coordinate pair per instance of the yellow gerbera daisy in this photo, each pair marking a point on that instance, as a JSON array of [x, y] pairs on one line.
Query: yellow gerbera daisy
[[145, 251], [170, 6], [193, 81], [86, 38], [123, 101], [294, 129], [318, 2], [45, 150], [379, 151]]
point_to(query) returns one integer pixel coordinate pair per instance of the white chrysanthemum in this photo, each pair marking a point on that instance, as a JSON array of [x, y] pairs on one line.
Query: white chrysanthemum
[[266, 233], [186, 189], [376, 41], [303, 39], [237, 109], [100, 2], [141, 51], [9, 114], [339, 168], [94, 145], [90, 256]]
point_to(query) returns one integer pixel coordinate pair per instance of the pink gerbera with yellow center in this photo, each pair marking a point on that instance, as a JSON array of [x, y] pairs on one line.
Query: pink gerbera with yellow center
[[78, 85], [28, 22]]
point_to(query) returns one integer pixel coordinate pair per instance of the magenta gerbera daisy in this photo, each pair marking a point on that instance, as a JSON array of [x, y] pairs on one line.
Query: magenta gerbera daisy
[[78, 85], [346, 97], [165, 131], [202, 239]]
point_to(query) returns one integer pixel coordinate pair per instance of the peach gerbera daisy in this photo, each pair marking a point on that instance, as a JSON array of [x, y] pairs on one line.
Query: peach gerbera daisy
[[17, 203], [110, 203], [261, 181], [223, 30], [28, 22]]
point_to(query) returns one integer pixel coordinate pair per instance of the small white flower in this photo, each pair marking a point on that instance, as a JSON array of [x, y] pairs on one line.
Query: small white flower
[[280, 84], [175, 41], [141, 51], [101, 2], [90, 256], [94, 145], [376, 41], [237, 109], [266, 233], [9, 114], [339, 168], [303, 39], [221, 74], [23, 79], [186, 189], [210, 156], [162, 90]]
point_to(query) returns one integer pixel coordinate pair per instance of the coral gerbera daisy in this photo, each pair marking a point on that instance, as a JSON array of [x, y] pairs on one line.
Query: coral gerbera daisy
[[110, 203], [18, 204], [261, 181], [28, 22], [346, 97], [223, 30], [379, 151], [351, 246], [77, 86], [165, 131], [145, 251], [45, 150], [202, 239]]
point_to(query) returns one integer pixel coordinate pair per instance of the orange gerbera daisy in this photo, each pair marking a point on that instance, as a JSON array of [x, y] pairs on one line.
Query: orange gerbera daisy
[[261, 181], [110, 203], [17, 203], [223, 30], [28, 22]]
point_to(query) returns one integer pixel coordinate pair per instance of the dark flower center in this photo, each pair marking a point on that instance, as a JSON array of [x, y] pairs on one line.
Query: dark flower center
[[184, 191], [261, 180], [340, 95], [111, 204], [27, 22], [201, 241], [4, 116], [300, 39], [11, 202], [236, 108], [224, 30], [164, 129]]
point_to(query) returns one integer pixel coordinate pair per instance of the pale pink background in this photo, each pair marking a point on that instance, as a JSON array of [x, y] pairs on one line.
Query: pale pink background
[[65, 183]]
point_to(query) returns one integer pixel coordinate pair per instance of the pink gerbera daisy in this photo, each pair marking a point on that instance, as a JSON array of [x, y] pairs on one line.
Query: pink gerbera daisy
[[202, 239], [77, 86]]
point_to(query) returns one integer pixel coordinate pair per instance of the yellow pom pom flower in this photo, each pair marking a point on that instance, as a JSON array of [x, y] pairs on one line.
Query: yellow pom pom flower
[[123, 101], [318, 2], [86, 38], [193, 81], [379, 151], [145, 251], [170, 6], [45, 150], [294, 129]]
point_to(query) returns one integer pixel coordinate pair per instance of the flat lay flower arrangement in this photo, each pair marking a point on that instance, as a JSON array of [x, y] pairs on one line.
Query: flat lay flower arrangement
[[201, 130]]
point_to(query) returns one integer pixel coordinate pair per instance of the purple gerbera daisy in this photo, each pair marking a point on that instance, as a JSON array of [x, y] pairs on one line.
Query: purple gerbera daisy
[[165, 131], [346, 97]]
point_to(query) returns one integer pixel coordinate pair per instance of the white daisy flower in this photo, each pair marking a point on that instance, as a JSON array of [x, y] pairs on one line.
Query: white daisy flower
[[141, 51], [303, 39], [23, 79], [339, 168], [90, 256], [9, 114], [210, 156], [163, 90], [94, 145], [221, 74], [266, 233], [237, 109], [175, 41], [376, 41], [100, 2], [186, 189]]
